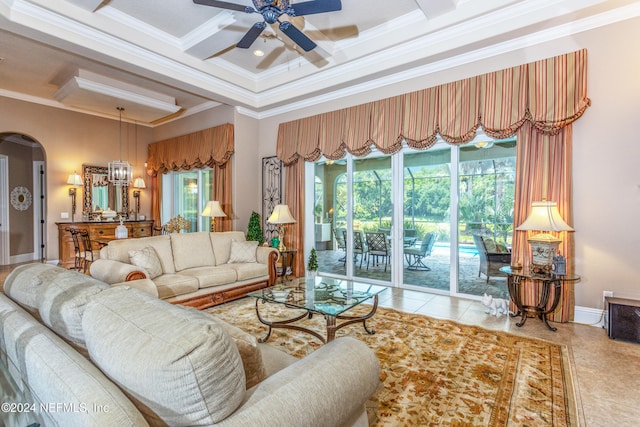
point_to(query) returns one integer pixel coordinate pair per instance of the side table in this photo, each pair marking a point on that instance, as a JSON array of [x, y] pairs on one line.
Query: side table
[[288, 256], [515, 281]]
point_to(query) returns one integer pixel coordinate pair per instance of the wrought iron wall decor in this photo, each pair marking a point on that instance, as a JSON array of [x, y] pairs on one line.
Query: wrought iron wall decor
[[271, 193]]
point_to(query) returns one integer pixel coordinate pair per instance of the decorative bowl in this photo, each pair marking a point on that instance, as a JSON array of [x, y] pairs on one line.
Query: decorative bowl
[[109, 215]]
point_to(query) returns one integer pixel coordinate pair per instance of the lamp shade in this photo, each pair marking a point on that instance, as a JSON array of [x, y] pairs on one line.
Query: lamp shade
[[213, 209], [75, 180], [281, 215], [544, 216], [139, 183]]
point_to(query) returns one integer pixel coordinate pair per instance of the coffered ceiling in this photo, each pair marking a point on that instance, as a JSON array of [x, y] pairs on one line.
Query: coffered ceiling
[[168, 58]]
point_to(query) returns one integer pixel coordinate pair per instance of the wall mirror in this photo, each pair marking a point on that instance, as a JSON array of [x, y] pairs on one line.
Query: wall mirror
[[100, 194]]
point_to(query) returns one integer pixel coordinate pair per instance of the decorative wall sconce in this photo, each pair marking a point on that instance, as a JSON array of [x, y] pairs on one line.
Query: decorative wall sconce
[[214, 210], [138, 183], [75, 181]]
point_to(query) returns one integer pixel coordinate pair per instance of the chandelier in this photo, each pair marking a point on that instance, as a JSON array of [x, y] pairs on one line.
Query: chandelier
[[119, 171]]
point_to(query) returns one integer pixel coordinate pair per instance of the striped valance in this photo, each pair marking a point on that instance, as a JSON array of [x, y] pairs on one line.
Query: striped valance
[[550, 94], [208, 147]]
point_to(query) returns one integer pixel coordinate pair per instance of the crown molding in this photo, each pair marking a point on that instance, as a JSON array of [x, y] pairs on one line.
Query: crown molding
[[555, 33]]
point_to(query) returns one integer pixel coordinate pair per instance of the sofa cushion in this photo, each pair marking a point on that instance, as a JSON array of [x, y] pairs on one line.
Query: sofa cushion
[[146, 258], [170, 285], [22, 284], [192, 250], [62, 300], [242, 251], [250, 270], [251, 354], [212, 276], [56, 374], [221, 243], [118, 250], [177, 361]]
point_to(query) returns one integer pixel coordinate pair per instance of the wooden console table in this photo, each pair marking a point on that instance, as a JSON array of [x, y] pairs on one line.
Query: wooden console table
[[103, 231]]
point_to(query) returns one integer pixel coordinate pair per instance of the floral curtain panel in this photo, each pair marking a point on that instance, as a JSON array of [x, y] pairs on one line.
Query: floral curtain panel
[[212, 147], [537, 101]]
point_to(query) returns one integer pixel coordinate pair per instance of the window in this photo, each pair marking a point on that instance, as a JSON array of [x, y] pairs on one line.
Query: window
[[185, 194]]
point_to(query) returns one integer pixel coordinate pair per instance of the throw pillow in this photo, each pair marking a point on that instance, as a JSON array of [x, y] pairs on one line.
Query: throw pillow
[[490, 244], [147, 258], [502, 248], [243, 252]]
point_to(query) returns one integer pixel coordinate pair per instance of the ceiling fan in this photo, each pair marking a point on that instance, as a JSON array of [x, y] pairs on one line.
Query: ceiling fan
[[271, 11]]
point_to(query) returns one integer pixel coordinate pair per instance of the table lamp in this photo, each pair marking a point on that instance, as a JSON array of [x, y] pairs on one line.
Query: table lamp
[[280, 216], [544, 217], [74, 180], [214, 210]]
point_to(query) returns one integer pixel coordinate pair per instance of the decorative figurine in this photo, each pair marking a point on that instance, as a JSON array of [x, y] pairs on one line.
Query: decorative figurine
[[559, 265], [497, 306]]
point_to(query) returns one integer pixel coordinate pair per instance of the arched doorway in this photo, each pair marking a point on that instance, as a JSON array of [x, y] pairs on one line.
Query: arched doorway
[[22, 199]]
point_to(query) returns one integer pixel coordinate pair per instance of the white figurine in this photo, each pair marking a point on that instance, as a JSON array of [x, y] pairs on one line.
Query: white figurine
[[497, 306]]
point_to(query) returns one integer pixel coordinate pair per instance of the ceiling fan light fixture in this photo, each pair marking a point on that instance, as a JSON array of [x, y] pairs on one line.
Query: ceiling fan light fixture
[[258, 52]]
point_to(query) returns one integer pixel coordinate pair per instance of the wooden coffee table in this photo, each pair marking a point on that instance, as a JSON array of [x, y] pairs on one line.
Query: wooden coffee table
[[329, 297]]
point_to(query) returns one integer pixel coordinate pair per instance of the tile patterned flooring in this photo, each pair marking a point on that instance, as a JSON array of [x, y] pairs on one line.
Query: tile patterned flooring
[[607, 371]]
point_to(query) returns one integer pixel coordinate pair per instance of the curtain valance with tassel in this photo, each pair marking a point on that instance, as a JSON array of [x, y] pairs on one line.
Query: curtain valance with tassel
[[549, 94], [205, 148]]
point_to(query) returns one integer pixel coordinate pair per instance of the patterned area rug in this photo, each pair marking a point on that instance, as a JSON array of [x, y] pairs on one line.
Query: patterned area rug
[[436, 372]]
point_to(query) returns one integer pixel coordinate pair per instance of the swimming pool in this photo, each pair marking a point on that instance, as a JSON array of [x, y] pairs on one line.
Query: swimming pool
[[469, 250]]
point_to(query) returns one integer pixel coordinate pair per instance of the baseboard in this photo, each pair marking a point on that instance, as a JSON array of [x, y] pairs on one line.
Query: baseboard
[[589, 316], [19, 259]]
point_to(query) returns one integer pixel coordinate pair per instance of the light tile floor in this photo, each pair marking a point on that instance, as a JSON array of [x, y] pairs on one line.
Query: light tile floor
[[607, 371]]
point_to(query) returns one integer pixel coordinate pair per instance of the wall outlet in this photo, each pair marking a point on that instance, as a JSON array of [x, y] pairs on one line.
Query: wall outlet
[[64, 215], [606, 294]]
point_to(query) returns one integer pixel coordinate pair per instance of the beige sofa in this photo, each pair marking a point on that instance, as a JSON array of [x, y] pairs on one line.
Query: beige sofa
[[196, 269], [75, 351]]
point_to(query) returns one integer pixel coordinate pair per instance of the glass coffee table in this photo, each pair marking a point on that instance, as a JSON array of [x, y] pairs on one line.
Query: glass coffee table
[[329, 297]]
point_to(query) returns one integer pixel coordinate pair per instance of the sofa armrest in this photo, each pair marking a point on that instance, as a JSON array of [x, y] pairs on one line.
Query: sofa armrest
[[111, 271], [269, 256], [327, 388], [145, 285]]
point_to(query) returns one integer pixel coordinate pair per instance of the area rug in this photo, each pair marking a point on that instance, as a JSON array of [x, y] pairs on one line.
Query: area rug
[[436, 372]]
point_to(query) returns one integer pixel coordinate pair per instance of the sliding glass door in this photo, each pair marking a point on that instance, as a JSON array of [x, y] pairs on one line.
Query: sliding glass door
[[420, 219], [426, 222]]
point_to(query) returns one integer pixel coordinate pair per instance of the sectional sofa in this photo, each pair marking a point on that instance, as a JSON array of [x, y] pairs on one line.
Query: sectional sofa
[[196, 269], [75, 351]]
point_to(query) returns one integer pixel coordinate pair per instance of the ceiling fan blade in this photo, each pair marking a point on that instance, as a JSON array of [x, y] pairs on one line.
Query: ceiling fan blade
[[318, 6], [251, 36], [297, 36], [224, 5]]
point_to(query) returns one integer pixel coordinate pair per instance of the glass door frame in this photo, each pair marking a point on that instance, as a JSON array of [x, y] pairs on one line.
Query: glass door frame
[[397, 220]]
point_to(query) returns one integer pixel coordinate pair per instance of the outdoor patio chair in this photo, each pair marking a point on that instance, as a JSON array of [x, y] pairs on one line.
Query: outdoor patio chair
[[339, 234], [378, 248], [359, 246], [415, 255], [490, 258]]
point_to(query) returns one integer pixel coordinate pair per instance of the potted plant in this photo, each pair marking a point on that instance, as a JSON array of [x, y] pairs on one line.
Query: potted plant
[[254, 231], [312, 264]]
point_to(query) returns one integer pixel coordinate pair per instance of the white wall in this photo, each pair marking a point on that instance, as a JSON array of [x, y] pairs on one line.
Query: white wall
[[605, 178]]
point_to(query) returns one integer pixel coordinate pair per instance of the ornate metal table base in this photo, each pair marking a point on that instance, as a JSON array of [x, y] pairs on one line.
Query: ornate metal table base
[[538, 310], [332, 325]]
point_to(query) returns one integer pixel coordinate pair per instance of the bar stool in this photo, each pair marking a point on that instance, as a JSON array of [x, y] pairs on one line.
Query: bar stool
[[78, 259], [88, 254]]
